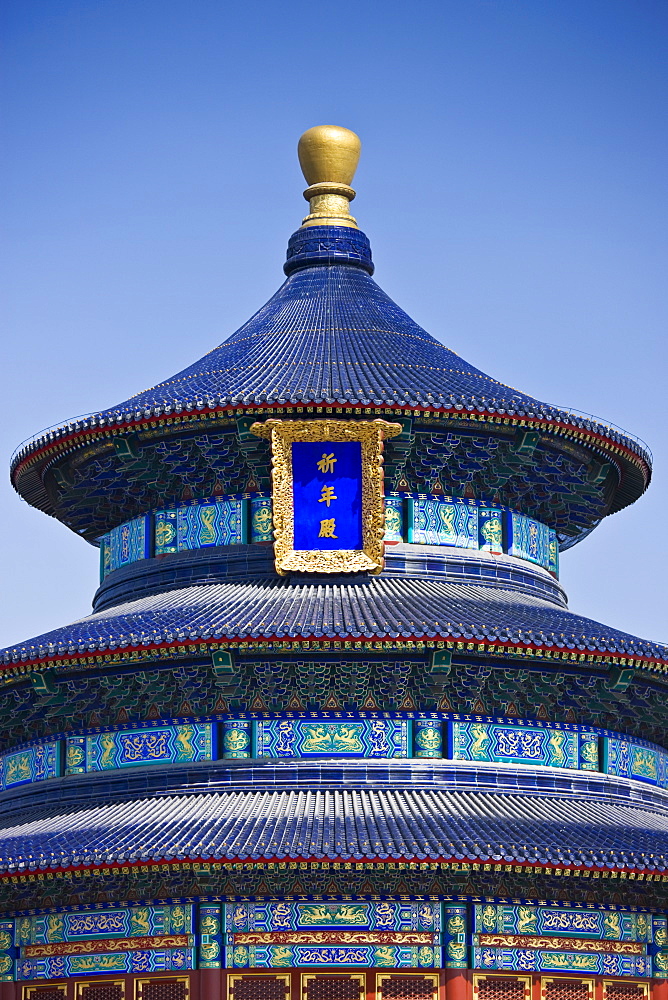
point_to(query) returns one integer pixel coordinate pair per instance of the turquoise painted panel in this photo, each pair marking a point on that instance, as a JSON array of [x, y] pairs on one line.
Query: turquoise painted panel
[[125, 544], [509, 918], [383, 934], [138, 747], [199, 525], [324, 737], [455, 933], [237, 738], [659, 948], [527, 960], [427, 738], [211, 948], [35, 763], [552, 553], [627, 759], [490, 529], [384, 915], [318, 956], [151, 938], [394, 519], [442, 522], [218, 522], [6, 951], [90, 925], [262, 529], [504, 743], [529, 539], [106, 963]]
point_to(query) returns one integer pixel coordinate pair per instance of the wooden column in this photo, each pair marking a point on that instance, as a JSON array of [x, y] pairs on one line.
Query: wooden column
[[210, 984], [458, 984]]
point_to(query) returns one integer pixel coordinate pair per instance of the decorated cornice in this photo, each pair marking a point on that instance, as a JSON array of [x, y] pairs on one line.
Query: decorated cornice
[[21, 661], [35, 455], [204, 865]]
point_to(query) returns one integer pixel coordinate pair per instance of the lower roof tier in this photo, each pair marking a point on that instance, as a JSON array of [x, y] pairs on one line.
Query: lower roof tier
[[325, 610], [551, 831]]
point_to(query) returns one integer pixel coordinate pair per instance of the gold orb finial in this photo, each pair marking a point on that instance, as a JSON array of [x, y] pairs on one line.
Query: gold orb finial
[[328, 155]]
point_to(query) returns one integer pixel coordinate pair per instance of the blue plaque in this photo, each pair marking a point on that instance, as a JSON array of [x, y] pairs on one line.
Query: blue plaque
[[327, 494]]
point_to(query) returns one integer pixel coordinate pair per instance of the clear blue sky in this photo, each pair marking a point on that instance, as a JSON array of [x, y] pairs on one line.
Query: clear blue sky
[[513, 184]]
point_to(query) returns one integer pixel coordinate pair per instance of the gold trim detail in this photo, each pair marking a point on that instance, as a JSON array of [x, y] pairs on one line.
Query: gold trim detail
[[233, 979], [382, 976], [371, 434]]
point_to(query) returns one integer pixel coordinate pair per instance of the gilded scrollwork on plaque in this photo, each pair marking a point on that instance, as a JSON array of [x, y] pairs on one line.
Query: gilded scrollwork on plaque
[[337, 464]]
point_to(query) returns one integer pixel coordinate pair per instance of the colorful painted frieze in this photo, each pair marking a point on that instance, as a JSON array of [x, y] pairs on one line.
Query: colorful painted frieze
[[141, 960], [125, 544], [383, 915], [519, 919], [6, 951], [199, 525], [433, 521], [530, 540], [505, 743], [394, 519], [382, 933], [356, 956], [129, 939], [167, 744], [659, 948], [36, 763], [88, 925], [427, 738], [526, 960], [455, 937], [627, 759], [589, 751], [211, 947], [237, 738], [350, 737], [490, 529], [261, 520]]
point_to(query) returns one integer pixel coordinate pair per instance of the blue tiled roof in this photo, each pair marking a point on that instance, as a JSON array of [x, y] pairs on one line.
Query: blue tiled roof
[[371, 608], [330, 336], [355, 824]]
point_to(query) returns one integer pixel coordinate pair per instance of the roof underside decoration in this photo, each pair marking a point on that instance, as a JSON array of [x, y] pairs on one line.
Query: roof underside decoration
[[369, 609], [356, 825]]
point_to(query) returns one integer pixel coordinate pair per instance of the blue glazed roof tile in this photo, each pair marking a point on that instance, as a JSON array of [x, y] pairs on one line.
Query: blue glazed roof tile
[[345, 824], [376, 608], [331, 336]]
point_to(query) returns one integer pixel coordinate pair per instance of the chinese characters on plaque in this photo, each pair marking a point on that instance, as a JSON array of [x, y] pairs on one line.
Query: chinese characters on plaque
[[327, 492]]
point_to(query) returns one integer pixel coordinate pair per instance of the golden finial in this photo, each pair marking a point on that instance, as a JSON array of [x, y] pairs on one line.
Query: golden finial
[[328, 155]]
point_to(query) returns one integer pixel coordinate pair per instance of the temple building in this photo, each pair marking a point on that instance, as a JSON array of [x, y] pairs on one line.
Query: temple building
[[331, 731]]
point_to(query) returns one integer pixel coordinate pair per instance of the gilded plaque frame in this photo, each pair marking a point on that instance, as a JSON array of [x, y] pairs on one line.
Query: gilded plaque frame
[[371, 434]]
